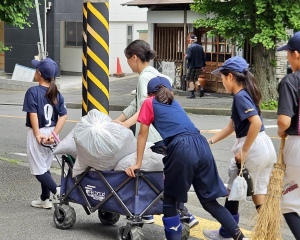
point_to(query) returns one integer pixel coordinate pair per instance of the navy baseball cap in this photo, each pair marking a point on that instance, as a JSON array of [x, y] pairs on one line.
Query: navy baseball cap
[[293, 43], [236, 64], [47, 67], [155, 82], [193, 37]]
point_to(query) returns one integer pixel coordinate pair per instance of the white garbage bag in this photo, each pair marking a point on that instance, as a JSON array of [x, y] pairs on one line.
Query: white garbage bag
[[100, 142], [151, 160], [67, 146]]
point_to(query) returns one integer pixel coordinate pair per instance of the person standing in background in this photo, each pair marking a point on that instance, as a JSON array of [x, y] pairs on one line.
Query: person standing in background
[[195, 57]]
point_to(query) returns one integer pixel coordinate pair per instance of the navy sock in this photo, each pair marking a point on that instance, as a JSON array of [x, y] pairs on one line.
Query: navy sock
[[224, 217], [293, 221], [47, 184], [169, 206], [232, 206]]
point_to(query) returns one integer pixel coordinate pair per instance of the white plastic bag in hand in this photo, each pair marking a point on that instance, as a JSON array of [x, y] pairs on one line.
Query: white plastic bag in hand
[[238, 190]]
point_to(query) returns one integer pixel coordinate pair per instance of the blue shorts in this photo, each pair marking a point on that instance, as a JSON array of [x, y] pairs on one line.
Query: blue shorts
[[189, 161]]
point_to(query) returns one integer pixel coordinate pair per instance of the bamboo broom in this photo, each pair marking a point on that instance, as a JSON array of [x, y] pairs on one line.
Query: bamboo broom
[[269, 217]]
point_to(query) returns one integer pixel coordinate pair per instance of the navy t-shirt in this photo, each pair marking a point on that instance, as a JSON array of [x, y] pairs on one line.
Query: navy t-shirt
[[168, 119], [243, 107], [35, 101], [288, 103]]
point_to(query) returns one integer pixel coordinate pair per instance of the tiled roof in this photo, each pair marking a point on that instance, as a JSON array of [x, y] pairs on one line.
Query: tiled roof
[[156, 2]]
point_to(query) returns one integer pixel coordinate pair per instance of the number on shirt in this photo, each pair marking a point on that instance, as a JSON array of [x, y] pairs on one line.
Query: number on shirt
[[48, 111]]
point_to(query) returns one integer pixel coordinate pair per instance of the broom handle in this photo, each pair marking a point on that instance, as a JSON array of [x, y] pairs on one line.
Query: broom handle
[[280, 157]]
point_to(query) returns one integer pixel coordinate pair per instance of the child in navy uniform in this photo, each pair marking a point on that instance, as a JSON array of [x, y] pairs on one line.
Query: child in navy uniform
[[139, 54], [288, 125], [252, 146], [46, 112], [188, 159]]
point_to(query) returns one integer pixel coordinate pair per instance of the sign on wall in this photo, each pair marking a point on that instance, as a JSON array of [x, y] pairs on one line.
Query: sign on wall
[[168, 68], [22, 73]]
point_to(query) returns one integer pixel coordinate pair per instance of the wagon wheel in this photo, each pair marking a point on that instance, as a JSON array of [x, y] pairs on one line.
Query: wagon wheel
[[185, 234], [66, 217], [108, 218], [135, 233]]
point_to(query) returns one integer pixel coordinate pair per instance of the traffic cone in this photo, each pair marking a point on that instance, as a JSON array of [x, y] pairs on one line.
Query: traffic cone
[[119, 69]]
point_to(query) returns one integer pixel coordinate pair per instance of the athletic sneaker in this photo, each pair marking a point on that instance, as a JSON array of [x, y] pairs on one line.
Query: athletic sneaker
[[41, 204], [213, 235], [148, 219], [192, 221]]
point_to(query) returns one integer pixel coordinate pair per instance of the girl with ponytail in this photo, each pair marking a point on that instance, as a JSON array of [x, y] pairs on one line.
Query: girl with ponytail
[[46, 114], [253, 148]]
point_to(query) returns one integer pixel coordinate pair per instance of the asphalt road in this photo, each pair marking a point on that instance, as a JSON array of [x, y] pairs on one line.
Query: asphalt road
[[18, 220]]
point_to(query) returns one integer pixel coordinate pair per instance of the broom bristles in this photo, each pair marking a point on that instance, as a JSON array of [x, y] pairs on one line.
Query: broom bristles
[[269, 217]]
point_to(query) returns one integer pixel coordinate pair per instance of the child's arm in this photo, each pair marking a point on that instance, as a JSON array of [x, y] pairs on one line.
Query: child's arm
[[141, 143], [35, 127], [59, 125], [225, 132], [283, 123], [255, 126]]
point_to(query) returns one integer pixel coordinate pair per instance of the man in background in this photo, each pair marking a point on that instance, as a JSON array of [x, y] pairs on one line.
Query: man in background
[[195, 57]]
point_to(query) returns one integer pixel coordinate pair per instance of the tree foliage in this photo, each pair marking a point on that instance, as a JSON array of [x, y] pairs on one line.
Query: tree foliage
[[15, 13], [258, 21], [261, 23]]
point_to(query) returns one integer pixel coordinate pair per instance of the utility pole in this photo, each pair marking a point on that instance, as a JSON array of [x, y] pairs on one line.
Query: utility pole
[[40, 44], [95, 56]]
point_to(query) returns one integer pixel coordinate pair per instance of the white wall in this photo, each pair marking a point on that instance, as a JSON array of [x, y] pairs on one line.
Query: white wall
[[171, 16], [119, 18], [70, 57]]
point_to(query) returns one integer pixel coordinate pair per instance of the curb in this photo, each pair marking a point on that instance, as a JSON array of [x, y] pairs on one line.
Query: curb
[[200, 111]]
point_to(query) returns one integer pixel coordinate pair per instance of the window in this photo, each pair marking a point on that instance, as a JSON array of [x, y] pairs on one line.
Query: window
[[73, 34], [129, 34]]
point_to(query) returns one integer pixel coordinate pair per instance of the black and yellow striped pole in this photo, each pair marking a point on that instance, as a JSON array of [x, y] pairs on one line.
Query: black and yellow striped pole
[[95, 57]]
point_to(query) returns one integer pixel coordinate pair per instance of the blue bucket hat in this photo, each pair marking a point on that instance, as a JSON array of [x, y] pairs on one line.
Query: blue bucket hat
[[155, 82], [293, 43], [47, 67], [236, 64]]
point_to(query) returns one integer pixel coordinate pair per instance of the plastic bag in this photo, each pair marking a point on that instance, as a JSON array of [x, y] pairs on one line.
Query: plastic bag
[[238, 190], [151, 160], [100, 142], [67, 146]]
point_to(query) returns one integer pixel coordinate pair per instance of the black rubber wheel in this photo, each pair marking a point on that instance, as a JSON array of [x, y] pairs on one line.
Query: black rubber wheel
[[108, 218], [185, 234], [66, 218], [135, 233]]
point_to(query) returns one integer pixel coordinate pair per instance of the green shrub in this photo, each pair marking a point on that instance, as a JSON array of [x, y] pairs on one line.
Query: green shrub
[[270, 105]]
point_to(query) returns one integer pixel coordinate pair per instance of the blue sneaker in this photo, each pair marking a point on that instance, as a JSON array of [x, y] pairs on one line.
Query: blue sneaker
[[148, 219], [192, 221]]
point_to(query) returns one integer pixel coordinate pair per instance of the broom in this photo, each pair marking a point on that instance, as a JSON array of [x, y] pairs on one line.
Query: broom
[[269, 217]]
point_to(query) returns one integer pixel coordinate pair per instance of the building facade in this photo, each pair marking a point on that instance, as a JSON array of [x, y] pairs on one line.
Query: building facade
[[61, 24]]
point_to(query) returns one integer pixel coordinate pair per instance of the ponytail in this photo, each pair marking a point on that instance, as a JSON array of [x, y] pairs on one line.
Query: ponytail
[[249, 82], [164, 95], [52, 92]]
